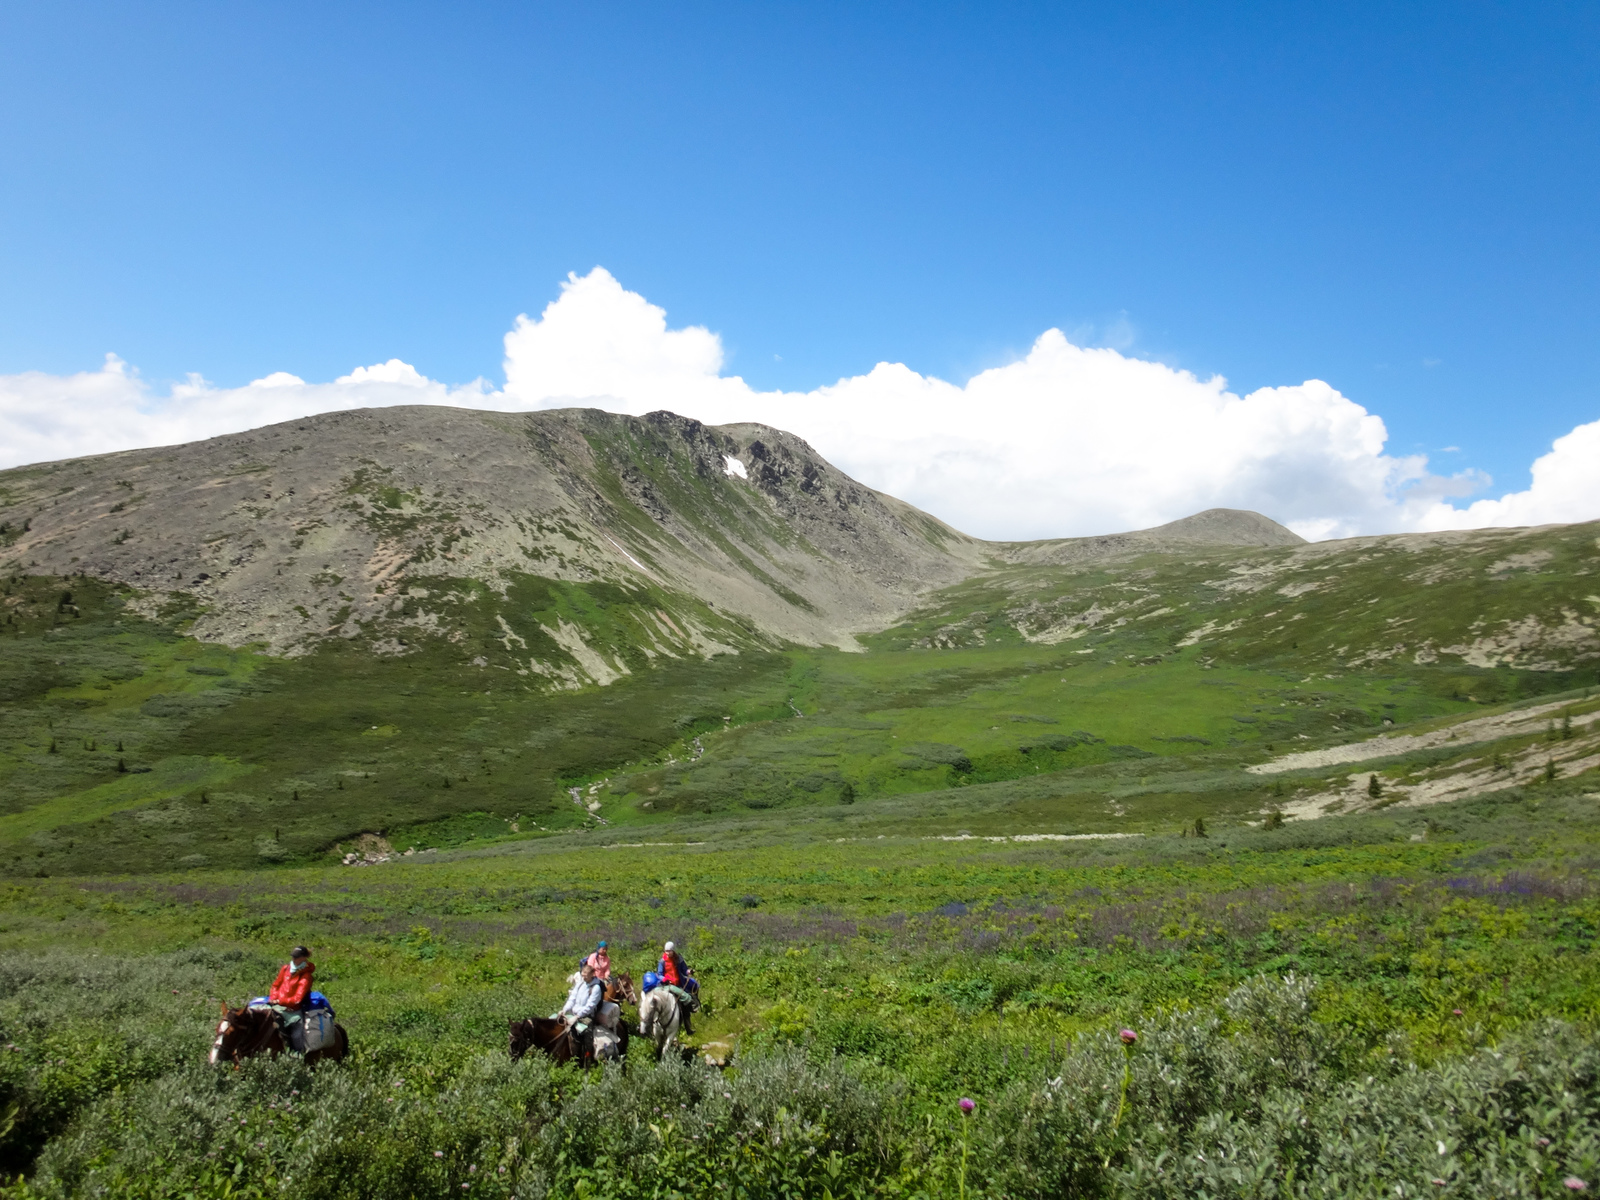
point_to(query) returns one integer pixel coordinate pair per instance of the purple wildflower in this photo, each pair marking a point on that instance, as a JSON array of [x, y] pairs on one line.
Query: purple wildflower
[[968, 1105]]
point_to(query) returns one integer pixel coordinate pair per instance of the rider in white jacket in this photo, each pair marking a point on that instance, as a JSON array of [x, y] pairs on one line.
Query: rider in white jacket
[[582, 1000]]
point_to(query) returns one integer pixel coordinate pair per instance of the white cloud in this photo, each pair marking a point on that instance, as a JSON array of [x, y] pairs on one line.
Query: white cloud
[[45, 417], [1065, 440], [1566, 487]]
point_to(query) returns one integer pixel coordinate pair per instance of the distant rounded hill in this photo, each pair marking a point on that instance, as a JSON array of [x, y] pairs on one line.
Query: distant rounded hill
[[1216, 527]]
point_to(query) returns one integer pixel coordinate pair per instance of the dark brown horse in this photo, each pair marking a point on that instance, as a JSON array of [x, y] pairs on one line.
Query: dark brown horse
[[246, 1032], [556, 1039], [619, 989]]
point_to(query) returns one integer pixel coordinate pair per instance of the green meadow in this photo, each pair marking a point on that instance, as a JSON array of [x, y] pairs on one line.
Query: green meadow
[[954, 865], [1337, 973]]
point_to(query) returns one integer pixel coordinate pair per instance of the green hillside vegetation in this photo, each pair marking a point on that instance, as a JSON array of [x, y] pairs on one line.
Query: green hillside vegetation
[[1318, 823], [1319, 1007], [1104, 696], [1082, 698]]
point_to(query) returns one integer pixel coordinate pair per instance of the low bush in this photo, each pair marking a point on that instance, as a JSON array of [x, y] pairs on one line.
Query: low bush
[[1259, 1095]]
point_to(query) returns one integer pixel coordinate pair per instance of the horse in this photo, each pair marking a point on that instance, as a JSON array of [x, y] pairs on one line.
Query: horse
[[619, 988], [555, 1038], [659, 1018], [246, 1032]]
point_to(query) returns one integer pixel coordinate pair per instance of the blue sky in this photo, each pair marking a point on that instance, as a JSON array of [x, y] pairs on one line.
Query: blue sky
[[1397, 199]]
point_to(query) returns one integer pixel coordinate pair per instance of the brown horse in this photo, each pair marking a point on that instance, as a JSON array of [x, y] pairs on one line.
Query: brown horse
[[555, 1038], [246, 1032], [619, 989]]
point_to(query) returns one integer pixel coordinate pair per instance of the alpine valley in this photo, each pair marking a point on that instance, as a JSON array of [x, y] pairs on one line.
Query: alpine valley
[[420, 628], [1193, 861]]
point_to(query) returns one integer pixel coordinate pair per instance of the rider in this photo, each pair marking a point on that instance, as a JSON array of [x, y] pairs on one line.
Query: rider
[[601, 962], [677, 972], [687, 1003], [292, 988], [578, 1012]]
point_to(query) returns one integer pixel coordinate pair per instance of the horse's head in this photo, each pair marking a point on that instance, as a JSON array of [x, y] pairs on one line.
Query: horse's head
[[620, 987], [521, 1038], [540, 1033], [232, 1033]]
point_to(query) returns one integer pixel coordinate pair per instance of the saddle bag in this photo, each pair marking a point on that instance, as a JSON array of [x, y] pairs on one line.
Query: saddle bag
[[607, 1045], [315, 1028], [608, 1016]]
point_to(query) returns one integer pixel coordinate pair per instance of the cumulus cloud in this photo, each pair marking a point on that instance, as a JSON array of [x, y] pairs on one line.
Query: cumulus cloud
[[46, 417], [1566, 487], [1066, 440]]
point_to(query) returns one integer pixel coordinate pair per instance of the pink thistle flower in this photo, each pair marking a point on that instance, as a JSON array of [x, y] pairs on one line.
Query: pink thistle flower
[[1128, 1036], [968, 1105], [1575, 1184], [1455, 1012]]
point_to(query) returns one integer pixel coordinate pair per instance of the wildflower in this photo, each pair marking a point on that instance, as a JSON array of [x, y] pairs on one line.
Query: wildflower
[[1575, 1184], [438, 1153], [1437, 1182], [1544, 1141], [1128, 1036], [968, 1105], [1455, 1012]]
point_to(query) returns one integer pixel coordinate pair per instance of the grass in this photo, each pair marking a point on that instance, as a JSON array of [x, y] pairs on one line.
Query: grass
[[903, 971], [1112, 697]]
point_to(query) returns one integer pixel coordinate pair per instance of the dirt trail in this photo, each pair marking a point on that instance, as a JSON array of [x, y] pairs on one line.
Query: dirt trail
[[1479, 729]]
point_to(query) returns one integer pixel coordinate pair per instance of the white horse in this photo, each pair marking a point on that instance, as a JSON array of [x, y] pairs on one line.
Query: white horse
[[659, 1018]]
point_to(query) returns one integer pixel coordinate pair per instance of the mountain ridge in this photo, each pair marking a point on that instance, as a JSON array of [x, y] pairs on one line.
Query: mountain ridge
[[358, 523]]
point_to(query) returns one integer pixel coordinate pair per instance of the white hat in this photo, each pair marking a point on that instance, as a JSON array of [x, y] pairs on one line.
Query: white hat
[[669, 946]]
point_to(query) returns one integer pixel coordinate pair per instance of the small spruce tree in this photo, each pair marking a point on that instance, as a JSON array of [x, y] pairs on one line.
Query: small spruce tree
[[1566, 727], [1374, 787], [1550, 770], [1200, 827], [122, 766]]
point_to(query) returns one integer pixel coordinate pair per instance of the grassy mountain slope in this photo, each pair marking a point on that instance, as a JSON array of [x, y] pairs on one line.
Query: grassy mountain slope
[[460, 585], [386, 525]]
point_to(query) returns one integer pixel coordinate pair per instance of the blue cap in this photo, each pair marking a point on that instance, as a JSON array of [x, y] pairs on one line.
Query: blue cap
[[651, 980]]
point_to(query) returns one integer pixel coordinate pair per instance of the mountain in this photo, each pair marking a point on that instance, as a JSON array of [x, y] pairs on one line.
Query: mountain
[[382, 524], [386, 628], [386, 525], [1214, 528]]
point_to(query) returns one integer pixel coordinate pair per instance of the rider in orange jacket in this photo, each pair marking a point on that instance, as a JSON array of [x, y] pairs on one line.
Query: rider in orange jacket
[[292, 987]]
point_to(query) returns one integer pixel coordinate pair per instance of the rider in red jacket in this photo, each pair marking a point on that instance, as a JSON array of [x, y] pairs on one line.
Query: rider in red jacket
[[292, 987]]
